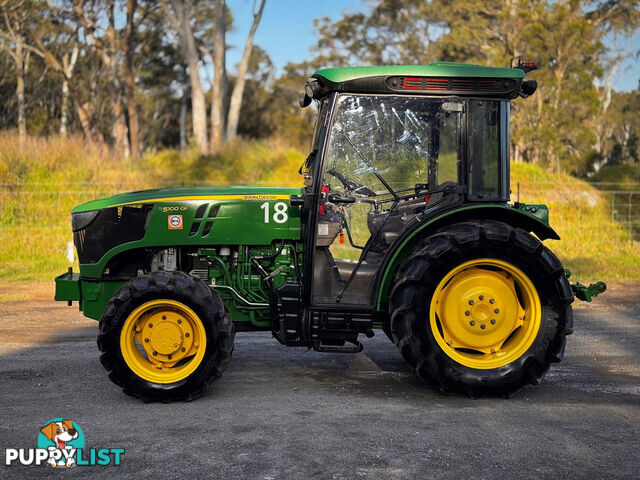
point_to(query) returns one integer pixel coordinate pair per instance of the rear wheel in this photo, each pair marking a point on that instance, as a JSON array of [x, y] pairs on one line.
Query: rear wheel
[[481, 308], [165, 336]]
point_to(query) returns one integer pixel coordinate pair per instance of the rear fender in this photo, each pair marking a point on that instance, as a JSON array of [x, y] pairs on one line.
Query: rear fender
[[532, 218]]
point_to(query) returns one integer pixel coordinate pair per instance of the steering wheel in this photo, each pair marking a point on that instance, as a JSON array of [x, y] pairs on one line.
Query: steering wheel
[[350, 185]]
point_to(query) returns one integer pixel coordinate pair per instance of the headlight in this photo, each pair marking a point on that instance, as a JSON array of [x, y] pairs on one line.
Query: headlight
[[81, 220]]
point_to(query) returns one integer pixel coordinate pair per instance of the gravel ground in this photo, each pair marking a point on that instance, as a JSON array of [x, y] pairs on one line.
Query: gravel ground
[[282, 413]]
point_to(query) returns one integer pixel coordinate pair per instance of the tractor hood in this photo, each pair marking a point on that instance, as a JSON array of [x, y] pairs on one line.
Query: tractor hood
[[158, 195], [184, 216]]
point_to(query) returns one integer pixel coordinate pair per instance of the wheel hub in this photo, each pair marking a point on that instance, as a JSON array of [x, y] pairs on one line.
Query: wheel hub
[[166, 338], [169, 336], [160, 341], [480, 309]]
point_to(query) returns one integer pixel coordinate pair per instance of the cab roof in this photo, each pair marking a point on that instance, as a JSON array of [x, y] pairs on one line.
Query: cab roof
[[438, 78], [438, 69]]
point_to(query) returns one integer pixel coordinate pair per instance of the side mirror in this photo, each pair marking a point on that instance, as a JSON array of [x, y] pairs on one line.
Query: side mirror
[[340, 199], [528, 88], [304, 100]]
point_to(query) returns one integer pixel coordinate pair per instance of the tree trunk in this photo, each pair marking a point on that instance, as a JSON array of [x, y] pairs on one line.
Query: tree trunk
[[198, 104], [86, 115], [64, 109], [183, 111], [178, 13], [22, 118], [68, 64], [119, 128], [129, 81], [219, 73], [238, 88]]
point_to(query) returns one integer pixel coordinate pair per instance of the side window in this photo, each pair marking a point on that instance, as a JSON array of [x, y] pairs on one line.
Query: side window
[[448, 157], [484, 154]]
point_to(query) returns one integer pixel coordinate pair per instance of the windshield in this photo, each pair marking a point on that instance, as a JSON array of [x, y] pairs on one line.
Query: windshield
[[401, 141]]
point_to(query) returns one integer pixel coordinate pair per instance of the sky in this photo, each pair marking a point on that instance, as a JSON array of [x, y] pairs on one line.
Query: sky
[[286, 32]]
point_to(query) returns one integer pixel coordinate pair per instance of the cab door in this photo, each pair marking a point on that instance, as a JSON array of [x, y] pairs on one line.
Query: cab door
[[381, 157]]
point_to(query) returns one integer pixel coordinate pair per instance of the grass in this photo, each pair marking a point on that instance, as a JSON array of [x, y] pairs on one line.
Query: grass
[[44, 181], [592, 245], [40, 185]]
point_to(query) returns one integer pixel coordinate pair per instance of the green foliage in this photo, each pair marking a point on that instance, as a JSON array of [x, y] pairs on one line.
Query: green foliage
[[623, 174], [272, 109], [563, 125]]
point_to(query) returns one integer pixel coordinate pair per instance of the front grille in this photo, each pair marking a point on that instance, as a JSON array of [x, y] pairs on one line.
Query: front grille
[[111, 227]]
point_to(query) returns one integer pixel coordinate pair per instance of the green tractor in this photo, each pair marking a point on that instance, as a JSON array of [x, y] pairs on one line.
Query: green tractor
[[404, 224]]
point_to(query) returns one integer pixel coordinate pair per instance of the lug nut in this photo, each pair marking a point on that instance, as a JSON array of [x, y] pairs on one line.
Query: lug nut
[[146, 340], [155, 353], [496, 311], [481, 297], [492, 301], [182, 349], [186, 334], [470, 302], [472, 323], [493, 321], [483, 326], [467, 313], [179, 321]]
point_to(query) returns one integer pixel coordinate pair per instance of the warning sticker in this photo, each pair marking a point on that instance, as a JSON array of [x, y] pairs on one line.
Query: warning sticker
[[323, 229], [175, 222]]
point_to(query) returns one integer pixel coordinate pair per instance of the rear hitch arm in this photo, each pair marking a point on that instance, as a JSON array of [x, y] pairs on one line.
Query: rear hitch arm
[[584, 293]]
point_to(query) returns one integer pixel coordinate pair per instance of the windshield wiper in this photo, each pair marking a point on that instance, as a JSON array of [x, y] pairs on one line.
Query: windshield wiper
[[373, 169]]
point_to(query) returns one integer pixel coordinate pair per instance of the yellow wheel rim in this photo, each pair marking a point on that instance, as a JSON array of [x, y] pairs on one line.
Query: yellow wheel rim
[[163, 341], [485, 313]]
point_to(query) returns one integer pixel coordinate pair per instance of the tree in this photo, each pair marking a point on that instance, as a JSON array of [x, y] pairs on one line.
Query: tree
[[56, 40], [90, 15], [393, 32], [16, 18], [219, 76], [129, 80], [570, 39], [180, 13], [68, 64], [238, 89]]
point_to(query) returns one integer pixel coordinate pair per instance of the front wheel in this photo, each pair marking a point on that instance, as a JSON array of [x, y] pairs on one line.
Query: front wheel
[[481, 308], [165, 336]]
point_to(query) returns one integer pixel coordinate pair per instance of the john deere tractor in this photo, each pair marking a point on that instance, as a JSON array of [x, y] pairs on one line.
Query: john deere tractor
[[404, 224]]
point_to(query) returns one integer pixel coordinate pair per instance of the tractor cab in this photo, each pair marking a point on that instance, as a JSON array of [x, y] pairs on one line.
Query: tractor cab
[[389, 152]]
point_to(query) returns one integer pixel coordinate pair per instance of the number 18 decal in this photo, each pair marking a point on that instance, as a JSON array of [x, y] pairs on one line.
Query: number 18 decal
[[279, 213]]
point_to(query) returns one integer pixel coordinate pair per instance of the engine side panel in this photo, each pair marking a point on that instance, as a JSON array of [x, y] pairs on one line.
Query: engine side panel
[[213, 220]]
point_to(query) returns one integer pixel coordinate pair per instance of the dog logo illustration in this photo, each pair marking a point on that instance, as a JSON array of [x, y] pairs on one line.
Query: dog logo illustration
[[61, 437]]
